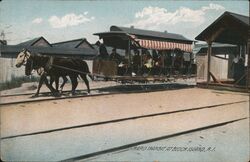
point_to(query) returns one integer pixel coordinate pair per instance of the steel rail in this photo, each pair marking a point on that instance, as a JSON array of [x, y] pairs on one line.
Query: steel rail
[[127, 146], [90, 95], [48, 92], [56, 98], [124, 119], [42, 93]]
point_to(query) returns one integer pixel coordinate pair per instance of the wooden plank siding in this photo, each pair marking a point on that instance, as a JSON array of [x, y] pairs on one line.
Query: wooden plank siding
[[8, 69], [220, 68], [8, 54]]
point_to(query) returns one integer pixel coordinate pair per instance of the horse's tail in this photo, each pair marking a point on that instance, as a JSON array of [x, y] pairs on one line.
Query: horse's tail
[[85, 68], [91, 76]]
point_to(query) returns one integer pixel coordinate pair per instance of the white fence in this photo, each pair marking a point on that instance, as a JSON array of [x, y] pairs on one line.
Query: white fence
[[8, 70], [219, 67]]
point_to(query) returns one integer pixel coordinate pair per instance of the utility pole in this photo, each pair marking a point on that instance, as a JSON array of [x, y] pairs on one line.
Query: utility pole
[[3, 34]]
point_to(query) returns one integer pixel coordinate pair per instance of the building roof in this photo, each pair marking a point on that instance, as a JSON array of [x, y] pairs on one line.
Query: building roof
[[229, 28], [217, 48], [150, 33], [66, 48], [81, 52], [33, 41], [244, 19], [72, 43]]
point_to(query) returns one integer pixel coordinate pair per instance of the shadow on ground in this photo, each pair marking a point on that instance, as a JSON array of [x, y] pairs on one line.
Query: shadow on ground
[[125, 88], [144, 88]]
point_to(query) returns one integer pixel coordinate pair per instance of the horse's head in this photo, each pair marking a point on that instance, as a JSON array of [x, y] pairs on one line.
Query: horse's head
[[28, 67], [22, 58]]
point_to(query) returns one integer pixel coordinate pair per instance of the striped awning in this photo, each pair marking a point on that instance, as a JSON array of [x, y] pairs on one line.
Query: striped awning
[[162, 45]]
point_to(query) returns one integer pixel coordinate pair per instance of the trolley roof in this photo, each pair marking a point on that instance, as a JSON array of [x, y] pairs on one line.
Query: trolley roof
[[119, 36], [156, 35]]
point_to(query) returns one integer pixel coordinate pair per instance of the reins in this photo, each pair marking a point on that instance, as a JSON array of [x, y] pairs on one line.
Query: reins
[[25, 57], [32, 64]]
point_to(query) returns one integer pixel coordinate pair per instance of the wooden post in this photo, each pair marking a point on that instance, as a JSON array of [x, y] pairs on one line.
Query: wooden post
[[129, 54], [248, 66], [209, 52]]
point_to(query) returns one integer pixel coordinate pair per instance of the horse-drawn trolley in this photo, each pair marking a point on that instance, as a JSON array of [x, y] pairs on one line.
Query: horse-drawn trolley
[[130, 54]]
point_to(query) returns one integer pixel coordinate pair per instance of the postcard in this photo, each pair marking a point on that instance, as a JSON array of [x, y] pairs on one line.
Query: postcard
[[136, 80]]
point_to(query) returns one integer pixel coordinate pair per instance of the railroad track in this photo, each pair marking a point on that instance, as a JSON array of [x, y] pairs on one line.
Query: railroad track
[[126, 119], [120, 89], [45, 97], [126, 146], [87, 157], [92, 155]]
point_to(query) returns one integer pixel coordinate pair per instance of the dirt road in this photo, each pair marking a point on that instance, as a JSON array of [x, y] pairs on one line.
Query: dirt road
[[85, 126]]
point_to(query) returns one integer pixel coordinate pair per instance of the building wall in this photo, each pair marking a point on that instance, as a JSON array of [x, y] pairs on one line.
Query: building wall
[[219, 67], [84, 45], [8, 69], [201, 67], [41, 43]]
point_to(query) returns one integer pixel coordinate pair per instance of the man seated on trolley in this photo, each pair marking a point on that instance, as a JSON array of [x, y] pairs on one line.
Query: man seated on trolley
[[114, 56], [136, 62], [158, 63], [147, 62], [103, 53]]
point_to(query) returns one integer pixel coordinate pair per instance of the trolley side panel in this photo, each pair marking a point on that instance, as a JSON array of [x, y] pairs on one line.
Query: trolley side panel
[[105, 67]]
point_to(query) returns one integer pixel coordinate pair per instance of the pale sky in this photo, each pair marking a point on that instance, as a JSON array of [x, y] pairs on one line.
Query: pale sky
[[60, 20]]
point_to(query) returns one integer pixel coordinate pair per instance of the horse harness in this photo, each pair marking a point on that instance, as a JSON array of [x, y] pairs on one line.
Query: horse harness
[[47, 67], [25, 57], [49, 64], [40, 71]]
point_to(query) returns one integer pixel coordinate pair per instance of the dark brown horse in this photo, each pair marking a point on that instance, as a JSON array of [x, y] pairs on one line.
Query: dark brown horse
[[43, 78], [56, 67]]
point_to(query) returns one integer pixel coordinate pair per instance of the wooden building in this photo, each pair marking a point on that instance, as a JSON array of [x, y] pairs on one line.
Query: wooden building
[[36, 42], [8, 54], [76, 43], [229, 28], [221, 58]]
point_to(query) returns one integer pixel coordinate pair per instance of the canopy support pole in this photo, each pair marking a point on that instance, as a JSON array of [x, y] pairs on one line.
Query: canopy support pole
[[129, 53], [209, 52]]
